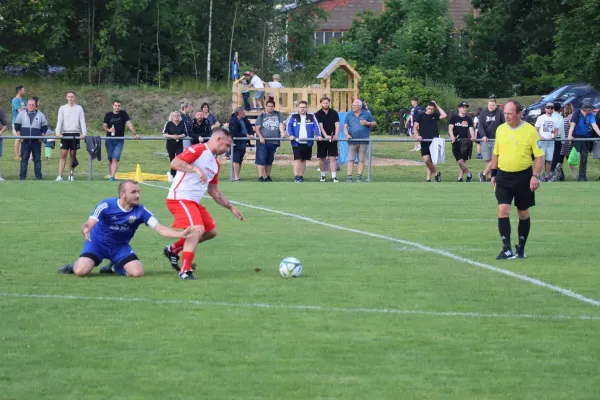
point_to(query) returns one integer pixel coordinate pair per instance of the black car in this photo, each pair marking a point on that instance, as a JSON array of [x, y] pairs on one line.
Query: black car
[[559, 95], [578, 101]]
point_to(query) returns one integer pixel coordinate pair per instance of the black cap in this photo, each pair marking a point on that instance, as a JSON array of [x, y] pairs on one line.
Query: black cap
[[463, 104]]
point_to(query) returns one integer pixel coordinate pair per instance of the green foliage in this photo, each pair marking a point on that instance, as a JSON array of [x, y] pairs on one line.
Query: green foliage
[[391, 89], [577, 38], [301, 27]]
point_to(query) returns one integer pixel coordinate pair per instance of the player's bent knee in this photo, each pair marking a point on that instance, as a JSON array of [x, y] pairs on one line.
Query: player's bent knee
[[134, 268], [83, 266], [210, 234]]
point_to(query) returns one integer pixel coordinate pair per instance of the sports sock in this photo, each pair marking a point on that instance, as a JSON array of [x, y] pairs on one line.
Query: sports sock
[[186, 263], [176, 247], [333, 174], [524, 226], [322, 174], [119, 270], [504, 228]]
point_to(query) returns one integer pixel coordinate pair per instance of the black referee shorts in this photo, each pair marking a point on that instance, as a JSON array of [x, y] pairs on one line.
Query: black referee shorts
[[515, 185]]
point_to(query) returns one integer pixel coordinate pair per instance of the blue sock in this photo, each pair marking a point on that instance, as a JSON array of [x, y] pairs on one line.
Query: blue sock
[[120, 270]]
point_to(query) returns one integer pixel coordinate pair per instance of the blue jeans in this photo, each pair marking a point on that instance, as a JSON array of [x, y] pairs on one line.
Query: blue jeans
[[114, 147], [29, 147], [265, 153]]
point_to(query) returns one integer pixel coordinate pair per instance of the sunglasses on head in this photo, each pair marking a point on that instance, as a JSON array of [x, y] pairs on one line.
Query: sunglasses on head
[[550, 107]]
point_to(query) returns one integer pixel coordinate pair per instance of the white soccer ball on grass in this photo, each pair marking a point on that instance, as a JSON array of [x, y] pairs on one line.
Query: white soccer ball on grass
[[290, 267]]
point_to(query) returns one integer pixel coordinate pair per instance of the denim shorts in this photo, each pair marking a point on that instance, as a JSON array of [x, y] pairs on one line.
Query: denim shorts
[[265, 153], [114, 147]]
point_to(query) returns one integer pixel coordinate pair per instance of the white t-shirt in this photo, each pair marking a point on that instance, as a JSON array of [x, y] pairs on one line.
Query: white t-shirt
[[257, 82], [546, 126], [187, 185], [275, 85], [302, 134]]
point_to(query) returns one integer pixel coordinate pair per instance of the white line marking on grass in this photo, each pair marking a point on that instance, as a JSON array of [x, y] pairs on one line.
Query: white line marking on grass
[[301, 307], [534, 281]]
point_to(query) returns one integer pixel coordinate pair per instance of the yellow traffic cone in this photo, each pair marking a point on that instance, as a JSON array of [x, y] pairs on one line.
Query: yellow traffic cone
[[138, 173]]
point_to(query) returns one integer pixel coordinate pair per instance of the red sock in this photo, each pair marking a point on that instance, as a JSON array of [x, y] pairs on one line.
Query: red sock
[[177, 246], [187, 258]]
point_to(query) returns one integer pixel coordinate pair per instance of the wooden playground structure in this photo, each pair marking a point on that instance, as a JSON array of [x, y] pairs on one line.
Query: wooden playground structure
[[286, 99]]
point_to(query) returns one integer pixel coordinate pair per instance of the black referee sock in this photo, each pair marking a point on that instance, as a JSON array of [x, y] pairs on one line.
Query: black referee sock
[[504, 228], [524, 226]]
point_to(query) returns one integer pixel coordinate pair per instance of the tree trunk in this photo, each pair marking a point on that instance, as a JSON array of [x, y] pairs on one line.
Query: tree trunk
[[210, 12], [262, 57], [157, 44], [91, 35], [137, 81], [231, 40], [193, 54]]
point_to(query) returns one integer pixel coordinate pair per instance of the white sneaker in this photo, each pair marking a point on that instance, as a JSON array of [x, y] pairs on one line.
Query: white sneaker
[[334, 180], [59, 178], [1, 180], [71, 178], [322, 178]]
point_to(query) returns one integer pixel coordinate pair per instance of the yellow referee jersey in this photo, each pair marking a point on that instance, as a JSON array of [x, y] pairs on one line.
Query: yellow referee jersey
[[515, 146]]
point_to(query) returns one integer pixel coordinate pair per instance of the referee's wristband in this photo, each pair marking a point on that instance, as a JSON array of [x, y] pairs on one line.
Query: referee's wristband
[[494, 172]]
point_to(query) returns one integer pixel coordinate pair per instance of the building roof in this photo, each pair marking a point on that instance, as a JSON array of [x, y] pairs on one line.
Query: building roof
[[338, 62]]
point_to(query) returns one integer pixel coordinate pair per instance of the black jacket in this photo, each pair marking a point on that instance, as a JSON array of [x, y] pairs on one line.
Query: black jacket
[[235, 128], [200, 129], [489, 122]]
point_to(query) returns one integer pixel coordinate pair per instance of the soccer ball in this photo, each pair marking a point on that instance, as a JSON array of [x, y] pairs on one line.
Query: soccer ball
[[290, 266]]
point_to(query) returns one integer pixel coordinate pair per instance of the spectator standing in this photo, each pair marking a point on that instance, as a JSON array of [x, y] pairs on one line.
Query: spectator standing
[[268, 125], [357, 125], [114, 126], [426, 127], [565, 149], [581, 127], [31, 122], [174, 131], [410, 123], [259, 94], [462, 134], [329, 122], [244, 82], [200, 128], [517, 142], [302, 127], [71, 123], [214, 124], [186, 109], [558, 143], [276, 84], [3, 127], [489, 120], [18, 104], [547, 127], [239, 127]]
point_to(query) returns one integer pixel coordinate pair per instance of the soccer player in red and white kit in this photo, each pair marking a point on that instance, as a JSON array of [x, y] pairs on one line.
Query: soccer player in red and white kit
[[197, 173]]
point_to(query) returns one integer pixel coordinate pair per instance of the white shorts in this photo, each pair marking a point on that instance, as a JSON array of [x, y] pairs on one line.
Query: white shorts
[[548, 148]]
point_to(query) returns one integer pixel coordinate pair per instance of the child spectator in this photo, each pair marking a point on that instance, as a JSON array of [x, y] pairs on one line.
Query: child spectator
[[275, 85], [244, 82]]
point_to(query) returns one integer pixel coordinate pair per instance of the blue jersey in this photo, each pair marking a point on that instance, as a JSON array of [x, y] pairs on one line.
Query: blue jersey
[[117, 226]]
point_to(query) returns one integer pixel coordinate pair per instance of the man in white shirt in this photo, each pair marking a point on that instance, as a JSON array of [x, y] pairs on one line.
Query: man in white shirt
[[547, 127], [197, 174], [259, 95], [71, 123]]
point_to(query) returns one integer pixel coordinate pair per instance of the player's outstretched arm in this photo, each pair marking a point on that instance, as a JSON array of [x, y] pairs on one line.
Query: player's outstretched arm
[[172, 233], [215, 193], [86, 228]]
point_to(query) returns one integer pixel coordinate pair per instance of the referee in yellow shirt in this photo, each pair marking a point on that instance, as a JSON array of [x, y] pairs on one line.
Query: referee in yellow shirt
[[517, 144]]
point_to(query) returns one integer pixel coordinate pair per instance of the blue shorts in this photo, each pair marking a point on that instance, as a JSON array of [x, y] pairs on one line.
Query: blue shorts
[[120, 255], [265, 153], [114, 147], [259, 95]]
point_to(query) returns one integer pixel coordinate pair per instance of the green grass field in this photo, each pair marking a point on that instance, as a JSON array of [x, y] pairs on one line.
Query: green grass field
[[399, 298]]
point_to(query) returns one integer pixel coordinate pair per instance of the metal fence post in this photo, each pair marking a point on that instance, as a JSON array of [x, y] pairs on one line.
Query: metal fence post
[[231, 161], [90, 169], [370, 150]]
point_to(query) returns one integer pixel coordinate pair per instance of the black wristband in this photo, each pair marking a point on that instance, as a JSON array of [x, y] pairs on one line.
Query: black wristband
[[494, 172]]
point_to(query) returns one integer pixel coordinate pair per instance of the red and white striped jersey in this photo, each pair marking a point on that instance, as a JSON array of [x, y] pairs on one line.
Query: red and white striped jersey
[[187, 185]]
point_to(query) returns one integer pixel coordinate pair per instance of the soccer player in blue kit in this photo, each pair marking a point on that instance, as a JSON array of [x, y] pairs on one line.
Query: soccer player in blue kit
[[109, 229]]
